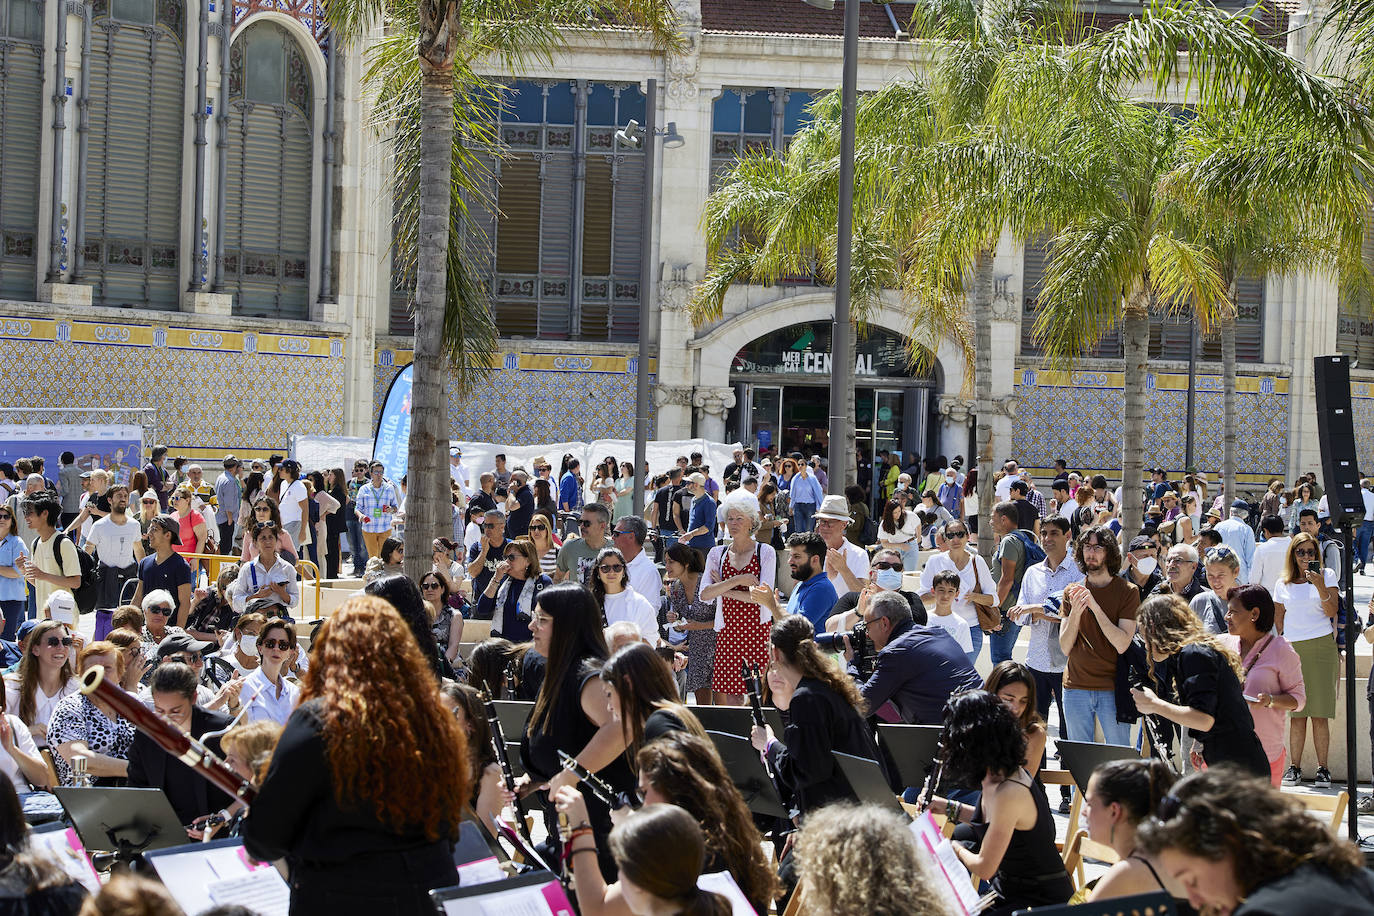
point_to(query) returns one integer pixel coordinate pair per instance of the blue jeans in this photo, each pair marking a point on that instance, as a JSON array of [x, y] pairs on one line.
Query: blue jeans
[[14, 616], [801, 516], [1004, 640], [1082, 706], [976, 636], [1364, 539], [357, 550]]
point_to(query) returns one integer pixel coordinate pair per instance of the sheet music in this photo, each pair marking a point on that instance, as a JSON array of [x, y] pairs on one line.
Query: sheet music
[[64, 847], [530, 900], [723, 883], [262, 891], [483, 871], [189, 871], [957, 887]]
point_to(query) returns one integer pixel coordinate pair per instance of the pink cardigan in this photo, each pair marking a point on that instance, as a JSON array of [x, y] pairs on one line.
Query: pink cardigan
[[1272, 667]]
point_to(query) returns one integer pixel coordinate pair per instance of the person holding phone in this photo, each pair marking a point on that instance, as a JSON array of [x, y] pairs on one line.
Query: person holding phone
[[1305, 602]]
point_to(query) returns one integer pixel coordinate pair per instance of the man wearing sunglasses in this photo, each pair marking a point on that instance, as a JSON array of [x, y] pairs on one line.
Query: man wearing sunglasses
[[519, 503], [488, 552], [577, 555], [165, 568]]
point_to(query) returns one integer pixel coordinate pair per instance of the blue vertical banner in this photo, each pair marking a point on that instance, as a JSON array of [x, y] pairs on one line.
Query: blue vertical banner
[[392, 445]]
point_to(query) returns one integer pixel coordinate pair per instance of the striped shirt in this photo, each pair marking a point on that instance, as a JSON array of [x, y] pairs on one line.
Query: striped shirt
[[377, 506]]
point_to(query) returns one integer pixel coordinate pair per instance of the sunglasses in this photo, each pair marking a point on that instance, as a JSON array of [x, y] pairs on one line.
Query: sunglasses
[[511, 556], [53, 642], [149, 502], [611, 568], [584, 523], [429, 585], [255, 509], [6, 515], [886, 565], [955, 534], [164, 611], [539, 527], [1304, 553], [487, 526], [275, 644]]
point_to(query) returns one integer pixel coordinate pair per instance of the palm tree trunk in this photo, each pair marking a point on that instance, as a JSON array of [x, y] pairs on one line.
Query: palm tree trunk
[[1135, 333], [982, 392], [428, 501], [851, 435], [1230, 423]]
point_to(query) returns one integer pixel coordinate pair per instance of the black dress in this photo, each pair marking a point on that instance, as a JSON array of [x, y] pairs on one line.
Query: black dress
[[819, 721], [1031, 872], [1203, 680], [566, 728], [343, 861]]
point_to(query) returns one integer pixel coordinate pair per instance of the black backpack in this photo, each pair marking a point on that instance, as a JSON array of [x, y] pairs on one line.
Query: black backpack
[[85, 593]]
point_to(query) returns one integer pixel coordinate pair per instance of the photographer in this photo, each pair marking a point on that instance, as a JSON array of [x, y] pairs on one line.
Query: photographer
[[916, 667]]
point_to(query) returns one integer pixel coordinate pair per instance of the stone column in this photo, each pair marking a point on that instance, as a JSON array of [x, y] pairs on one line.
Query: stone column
[[683, 181], [955, 413], [1309, 310], [712, 404]]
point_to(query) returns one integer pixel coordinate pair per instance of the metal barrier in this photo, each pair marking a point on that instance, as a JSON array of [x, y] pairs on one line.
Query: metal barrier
[[214, 562]]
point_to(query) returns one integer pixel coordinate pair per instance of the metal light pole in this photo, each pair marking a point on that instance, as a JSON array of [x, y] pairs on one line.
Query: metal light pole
[[646, 279], [841, 341], [1192, 386]]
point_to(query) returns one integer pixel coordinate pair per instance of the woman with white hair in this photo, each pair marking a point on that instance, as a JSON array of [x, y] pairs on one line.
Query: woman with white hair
[[742, 624]]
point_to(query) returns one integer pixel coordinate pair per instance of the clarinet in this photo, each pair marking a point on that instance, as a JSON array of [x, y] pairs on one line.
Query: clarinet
[[598, 786], [1157, 746], [171, 739], [498, 745], [753, 686], [932, 782]]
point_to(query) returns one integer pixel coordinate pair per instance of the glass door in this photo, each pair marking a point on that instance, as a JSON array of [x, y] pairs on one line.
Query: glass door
[[765, 416], [887, 420]]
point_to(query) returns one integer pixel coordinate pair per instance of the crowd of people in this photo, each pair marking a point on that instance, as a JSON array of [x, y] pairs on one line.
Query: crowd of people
[[872, 606]]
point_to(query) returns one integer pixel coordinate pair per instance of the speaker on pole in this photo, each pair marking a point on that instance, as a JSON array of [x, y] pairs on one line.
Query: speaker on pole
[[1336, 432]]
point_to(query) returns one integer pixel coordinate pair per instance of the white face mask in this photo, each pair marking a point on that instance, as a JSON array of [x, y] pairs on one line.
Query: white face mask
[[949, 478], [248, 645], [1146, 565]]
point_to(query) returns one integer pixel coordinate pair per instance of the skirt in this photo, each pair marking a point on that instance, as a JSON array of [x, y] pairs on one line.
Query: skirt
[[1320, 659]]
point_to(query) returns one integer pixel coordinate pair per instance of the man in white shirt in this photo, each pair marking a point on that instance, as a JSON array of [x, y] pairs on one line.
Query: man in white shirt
[[1364, 538], [117, 542], [1010, 473], [846, 563], [1237, 534], [457, 471], [629, 535], [1270, 553]]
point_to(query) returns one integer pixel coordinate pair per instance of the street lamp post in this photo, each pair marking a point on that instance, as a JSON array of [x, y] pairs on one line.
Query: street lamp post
[[631, 136], [842, 338]]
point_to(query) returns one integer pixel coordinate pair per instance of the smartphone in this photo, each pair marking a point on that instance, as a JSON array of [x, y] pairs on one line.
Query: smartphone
[[1314, 566], [1250, 699]]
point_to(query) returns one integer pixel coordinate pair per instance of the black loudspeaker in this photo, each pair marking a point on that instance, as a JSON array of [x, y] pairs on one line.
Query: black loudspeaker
[[1336, 430]]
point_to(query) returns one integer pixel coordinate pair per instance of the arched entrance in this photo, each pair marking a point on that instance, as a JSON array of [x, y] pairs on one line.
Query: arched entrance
[[781, 382]]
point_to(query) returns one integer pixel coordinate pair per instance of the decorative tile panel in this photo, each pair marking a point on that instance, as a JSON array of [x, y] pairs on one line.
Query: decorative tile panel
[[1078, 418], [214, 392], [535, 397]]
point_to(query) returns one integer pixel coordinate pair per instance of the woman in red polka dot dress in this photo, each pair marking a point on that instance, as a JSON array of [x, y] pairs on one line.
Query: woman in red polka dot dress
[[742, 625]]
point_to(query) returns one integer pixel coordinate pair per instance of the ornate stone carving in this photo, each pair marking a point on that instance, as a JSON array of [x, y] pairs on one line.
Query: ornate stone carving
[[954, 410], [677, 395], [674, 290], [681, 69], [1004, 305], [713, 402]]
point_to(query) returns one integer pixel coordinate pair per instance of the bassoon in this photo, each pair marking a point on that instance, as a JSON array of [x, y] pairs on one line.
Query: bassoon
[[171, 739]]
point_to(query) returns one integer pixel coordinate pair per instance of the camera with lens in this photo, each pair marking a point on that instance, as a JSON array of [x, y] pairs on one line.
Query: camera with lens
[[864, 652]]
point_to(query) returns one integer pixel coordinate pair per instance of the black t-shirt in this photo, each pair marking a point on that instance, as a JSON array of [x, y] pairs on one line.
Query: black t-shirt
[[493, 559], [170, 574], [518, 522], [483, 500], [1026, 515], [663, 500], [682, 495]]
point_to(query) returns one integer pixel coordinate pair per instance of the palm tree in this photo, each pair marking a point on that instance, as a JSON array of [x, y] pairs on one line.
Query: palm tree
[[422, 74]]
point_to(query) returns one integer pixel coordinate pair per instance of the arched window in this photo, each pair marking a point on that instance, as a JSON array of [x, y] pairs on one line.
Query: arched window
[[267, 217], [137, 117], [21, 129]]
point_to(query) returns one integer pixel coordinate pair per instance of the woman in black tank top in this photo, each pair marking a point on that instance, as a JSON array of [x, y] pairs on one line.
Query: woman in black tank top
[[983, 745]]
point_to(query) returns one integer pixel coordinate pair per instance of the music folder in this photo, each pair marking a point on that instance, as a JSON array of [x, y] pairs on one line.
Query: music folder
[[203, 875], [535, 894], [1155, 903], [122, 819], [1080, 758], [745, 767]]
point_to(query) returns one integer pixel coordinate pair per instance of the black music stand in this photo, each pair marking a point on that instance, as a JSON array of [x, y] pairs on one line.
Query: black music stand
[[746, 768], [1080, 758], [1156, 903], [912, 749], [514, 714], [868, 782], [124, 822], [736, 720]]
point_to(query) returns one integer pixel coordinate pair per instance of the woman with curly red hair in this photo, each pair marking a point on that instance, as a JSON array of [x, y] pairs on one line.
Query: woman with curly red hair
[[359, 797]]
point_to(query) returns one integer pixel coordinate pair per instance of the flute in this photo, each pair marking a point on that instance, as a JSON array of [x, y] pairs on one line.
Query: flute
[[608, 796], [171, 739], [498, 745]]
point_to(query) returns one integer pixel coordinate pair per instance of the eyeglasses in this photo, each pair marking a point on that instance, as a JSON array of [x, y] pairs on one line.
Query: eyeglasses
[[267, 509], [886, 565], [955, 534], [6, 515], [1304, 553], [164, 611], [618, 532], [585, 523], [611, 567], [148, 502], [487, 526], [430, 585], [275, 644], [512, 556], [54, 641], [539, 527]]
